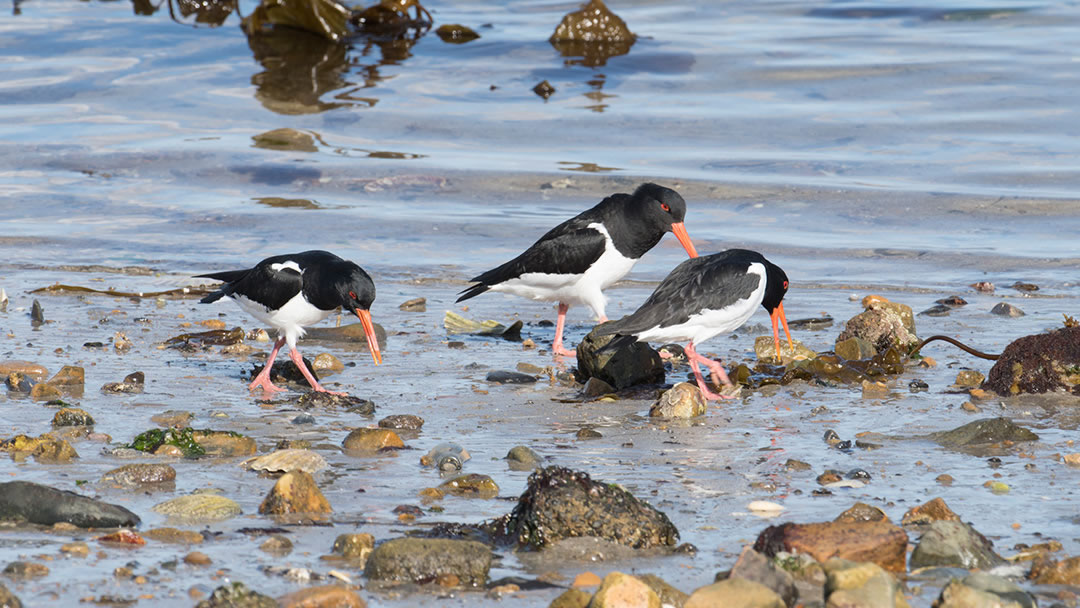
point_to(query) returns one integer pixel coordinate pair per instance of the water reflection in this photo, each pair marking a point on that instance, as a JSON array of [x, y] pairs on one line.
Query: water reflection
[[299, 68]]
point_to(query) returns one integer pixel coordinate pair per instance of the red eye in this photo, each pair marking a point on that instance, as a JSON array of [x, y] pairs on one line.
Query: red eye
[[352, 294], [785, 284], [665, 207]]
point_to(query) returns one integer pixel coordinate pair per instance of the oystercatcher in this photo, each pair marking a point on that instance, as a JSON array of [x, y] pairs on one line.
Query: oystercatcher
[[290, 292], [704, 297], [577, 259]]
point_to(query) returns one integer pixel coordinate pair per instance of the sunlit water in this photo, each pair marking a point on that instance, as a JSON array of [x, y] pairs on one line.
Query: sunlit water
[[908, 150]]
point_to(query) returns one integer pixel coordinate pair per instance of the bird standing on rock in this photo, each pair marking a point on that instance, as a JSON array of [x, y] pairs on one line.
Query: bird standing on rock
[[575, 261], [704, 297], [292, 291]]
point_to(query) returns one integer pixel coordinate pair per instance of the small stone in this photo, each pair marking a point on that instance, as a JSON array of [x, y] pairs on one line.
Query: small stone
[[619, 590], [588, 434], [874, 390], [44, 392], [295, 493], [969, 378], [829, 477], [70, 416], [325, 363], [121, 342], [134, 475], [595, 387], [983, 287], [277, 544], [412, 559], [875, 541], [36, 372], [326, 596], [1006, 310], [509, 377], [414, 305], [237, 595], [402, 422], [734, 593], [75, 549], [198, 508], [132, 383], [684, 400], [571, 598], [197, 558], [174, 536], [172, 418], [24, 571], [123, 537], [372, 440], [944, 479], [303, 419], [37, 313], [1046, 571], [796, 465], [543, 89], [947, 543], [861, 511], [70, 379], [855, 349], [523, 458], [471, 485], [224, 444], [284, 461], [753, 566], [354, 546]]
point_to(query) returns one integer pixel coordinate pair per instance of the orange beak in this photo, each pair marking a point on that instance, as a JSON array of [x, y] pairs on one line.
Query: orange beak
[[680, 233], [369, 331], [778, 315]]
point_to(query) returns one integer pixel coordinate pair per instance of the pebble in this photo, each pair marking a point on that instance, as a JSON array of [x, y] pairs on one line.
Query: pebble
[[295, 493], [198, 508], [326, 363], [684, 400], [133, 475], [402, 422], [327, 596], [414, 305], [1006, 310], [354, 546], [277, 544], [765, 508], [509, 377], [969, 378], [303, 419], [70, 416], [472, 485], [523, 458], [371, 440], [197, 558], [173, 418], [21, 571], [284, 461], [586, 579], [75, 549], [123, 537], [588, 434], [174, 536], [132, 383]]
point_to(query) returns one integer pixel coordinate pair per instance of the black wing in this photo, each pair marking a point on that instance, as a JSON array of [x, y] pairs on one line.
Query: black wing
[[706, 283], [263, 284], [566, 249]]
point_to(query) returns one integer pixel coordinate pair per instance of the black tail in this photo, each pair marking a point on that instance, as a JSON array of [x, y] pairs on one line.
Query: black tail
[[618, 341], [473, 291], [228, 276]]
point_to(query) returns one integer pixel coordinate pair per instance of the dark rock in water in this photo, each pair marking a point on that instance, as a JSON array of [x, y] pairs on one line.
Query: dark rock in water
[[861, 511], [313, 399], [37, 314], [456, 33], [811, 324], [1005, 309], [402, 422], [987, 430], [1038, 364], [8, 599], [880, 542], [422, 560], [593, 33], [237, 595], [23, 501], [928, 512], [286, 371], [132, 383], [509, 377], [625, 365], [414, 305], [70, 416], [544, 89], [588, 434], [303, 419], [523, 458], [595, 387], [560, 503], [954, 544], [937, 310], [754, 566]]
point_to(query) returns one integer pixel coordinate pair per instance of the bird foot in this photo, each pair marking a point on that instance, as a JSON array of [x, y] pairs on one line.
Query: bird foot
[[320, 389], [559, 351], [264, 383], [728, 392]]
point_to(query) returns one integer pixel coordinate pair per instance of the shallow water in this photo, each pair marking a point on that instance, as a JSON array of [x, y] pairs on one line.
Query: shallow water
[[902, 149]]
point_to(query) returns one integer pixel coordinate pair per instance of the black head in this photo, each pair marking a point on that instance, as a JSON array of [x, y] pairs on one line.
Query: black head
[[353, 288], [776, 286], [659, 206]]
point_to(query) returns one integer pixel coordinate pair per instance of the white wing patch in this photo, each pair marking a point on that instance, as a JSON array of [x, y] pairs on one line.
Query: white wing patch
[[291, 265], [290, 320], [585, 288]]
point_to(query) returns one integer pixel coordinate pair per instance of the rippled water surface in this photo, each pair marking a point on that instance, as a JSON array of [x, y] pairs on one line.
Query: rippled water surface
[[907, 149]]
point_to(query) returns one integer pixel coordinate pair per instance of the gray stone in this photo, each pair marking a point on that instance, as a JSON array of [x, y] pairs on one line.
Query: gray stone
[[734, 593], [523, 458], [859, 585], [1007, 590], [23, 501], [883, 327], [754, 566], [237, 595], [509, 377], [1005, 309], [425, 559], [958, 595], [954, 543], [684, 400], [987, 430]]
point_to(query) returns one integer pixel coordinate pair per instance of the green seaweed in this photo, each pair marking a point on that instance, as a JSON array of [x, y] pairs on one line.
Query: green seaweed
[[184, 439]]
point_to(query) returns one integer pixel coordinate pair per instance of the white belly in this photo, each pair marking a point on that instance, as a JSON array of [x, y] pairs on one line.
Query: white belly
[[585, 288], [290, 320]]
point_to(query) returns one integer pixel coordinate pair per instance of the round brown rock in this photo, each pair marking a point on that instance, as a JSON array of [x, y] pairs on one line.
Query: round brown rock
[[372, 440], [295, 492], [684, 400]]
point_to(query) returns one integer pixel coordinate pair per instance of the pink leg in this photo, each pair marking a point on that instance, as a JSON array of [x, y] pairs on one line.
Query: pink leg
[[299, 361], [719, 375], [263, 379], [560, 322]]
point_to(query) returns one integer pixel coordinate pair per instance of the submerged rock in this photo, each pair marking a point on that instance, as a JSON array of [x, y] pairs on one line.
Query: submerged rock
[[237, 595], [198, 508], [354, 547], [1038, 364], [861, 511], [956, 544], [985, 431], [7, 598], [71, 416], [132, 383], [560, 503], [509, 377], [1004, 309], [622, 366], [402, 422], [472, 485], [523, 458], [593, 33], [285, 461], [420, 560], [371, 440], [23, 501], [880, 542], [135, 475]]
